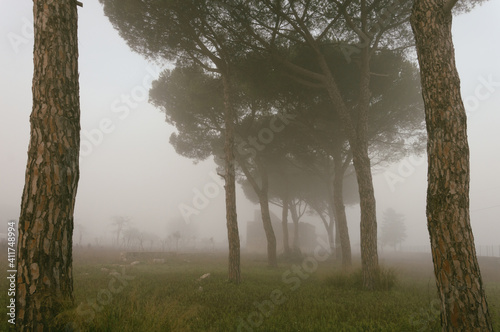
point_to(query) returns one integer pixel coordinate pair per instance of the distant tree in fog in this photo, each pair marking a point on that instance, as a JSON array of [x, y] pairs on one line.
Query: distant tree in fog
[[130, 236], [314, 144], [152, 238], [214, 37], [79, 231], [164, 242], [176, 236], [193, 102], [393, 229], [141, 238], [283, 28], [119, 223], [190, 32]]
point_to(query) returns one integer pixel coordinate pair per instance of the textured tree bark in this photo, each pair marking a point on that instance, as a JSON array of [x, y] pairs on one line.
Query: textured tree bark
[[230, 187], [284, 225], [339, 210], [45, 279], [458, 278], [368, 234], [361, 162]]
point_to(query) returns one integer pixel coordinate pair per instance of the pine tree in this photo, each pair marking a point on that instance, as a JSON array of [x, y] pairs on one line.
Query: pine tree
[[393, 229]]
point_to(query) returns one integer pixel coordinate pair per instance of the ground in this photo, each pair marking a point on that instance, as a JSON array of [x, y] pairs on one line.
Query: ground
[[305, 295]]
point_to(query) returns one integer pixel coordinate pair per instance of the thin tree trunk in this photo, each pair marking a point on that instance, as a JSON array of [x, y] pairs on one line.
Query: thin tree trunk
[[230, 187], [361, 162], [355, 126], [458, 278], [339, 210], [329, 229], [335, 245], [331, 235], [268, 229], [262, 193], [266, 216], [284, 224], [328, 225], [295, 219], [45, 278], [356, 133], [368, 234]]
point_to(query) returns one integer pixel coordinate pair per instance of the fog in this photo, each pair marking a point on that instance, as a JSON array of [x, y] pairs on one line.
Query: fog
[[128, 168]]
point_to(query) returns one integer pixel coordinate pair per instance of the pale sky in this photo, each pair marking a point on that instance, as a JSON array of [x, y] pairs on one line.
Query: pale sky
[[132, 170]]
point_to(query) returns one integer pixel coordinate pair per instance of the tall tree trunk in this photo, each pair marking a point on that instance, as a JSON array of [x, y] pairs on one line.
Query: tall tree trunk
[[339, 209], [361, 162], [284, 224], [458, 278], [45, 278], [230, 187], [357, 136]]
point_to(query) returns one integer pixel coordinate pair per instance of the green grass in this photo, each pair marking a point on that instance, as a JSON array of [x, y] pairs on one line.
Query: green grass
[[169, 297]]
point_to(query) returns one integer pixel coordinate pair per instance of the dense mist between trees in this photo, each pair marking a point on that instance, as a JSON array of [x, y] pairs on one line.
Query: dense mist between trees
[[235, 162]]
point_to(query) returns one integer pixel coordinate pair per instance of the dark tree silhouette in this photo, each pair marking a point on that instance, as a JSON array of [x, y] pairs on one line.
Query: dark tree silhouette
[[363, 29]]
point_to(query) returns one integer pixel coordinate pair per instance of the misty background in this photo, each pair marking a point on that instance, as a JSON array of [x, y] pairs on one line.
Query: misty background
[[128, 167]]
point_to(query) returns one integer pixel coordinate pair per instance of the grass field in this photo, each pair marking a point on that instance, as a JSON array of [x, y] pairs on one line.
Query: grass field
[[295, 297]]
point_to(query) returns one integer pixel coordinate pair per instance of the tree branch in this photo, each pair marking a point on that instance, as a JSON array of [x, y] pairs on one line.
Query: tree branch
[[305, 82], [299, 70]]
